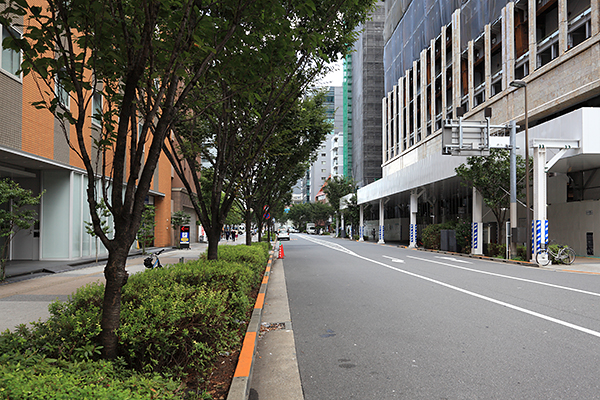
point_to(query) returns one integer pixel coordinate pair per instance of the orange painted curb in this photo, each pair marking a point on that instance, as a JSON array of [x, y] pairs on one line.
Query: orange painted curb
[[265, 279], [260, 300], [245, 359]]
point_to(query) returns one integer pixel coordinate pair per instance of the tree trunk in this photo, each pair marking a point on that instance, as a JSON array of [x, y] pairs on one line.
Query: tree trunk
[[214, 235], [116, 278], [248, 228]]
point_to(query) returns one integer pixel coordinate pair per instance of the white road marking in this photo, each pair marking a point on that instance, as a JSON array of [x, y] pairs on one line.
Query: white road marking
[[393, 259], [454, 259], [468, 292], [508, 277]]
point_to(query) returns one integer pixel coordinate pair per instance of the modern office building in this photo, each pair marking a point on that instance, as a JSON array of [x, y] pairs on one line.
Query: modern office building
[[364, 77], [534, 62], [35, 154]]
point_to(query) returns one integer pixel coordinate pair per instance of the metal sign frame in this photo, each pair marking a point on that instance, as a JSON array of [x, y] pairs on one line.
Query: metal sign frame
[[471, 138]]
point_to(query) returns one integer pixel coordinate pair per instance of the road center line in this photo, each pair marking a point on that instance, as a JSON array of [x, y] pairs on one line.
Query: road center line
[[468, 292], [507, 276]]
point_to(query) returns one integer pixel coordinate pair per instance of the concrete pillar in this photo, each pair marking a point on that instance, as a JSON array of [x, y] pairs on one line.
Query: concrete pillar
[[361, 224], [532, 36], [470, 74], [424, 95], [487, 53], [394, 134], [432, 93], [414, 99], [477, 228], [540, 218], [595, 16], [562, 27], [381, 221], [343, 227], [455, 62], [508, 44], [414, 207], [401, 99], [443, 69], [384, 134]]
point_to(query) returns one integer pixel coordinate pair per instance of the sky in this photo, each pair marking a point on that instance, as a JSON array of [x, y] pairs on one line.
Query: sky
[[336, 77]]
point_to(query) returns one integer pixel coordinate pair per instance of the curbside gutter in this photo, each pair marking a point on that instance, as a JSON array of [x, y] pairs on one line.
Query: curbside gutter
[[240, 385]]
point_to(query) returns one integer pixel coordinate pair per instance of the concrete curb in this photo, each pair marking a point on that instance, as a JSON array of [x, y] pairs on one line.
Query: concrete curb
[[240, 385]]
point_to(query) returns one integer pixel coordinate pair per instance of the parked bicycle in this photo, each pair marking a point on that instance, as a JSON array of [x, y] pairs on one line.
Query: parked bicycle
[[152, 260], [546, 254]]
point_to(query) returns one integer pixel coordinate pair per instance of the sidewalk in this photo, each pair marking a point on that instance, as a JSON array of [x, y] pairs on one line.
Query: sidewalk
[[25, 298]]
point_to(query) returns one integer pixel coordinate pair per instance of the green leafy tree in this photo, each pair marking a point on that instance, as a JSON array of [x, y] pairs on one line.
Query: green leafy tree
[[143, 57], [491, 177], [14, 215], [237, 110], [103, 213], [336, 188], [285, 160], [145, 234]]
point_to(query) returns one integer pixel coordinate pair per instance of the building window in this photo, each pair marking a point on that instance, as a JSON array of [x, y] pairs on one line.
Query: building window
[[11, 60], [97, 108], [61, 93]]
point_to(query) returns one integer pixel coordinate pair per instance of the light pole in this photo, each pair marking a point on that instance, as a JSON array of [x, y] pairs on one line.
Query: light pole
[[523, 84]]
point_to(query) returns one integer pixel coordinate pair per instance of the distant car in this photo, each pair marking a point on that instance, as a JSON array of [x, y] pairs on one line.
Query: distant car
[[283, 235]]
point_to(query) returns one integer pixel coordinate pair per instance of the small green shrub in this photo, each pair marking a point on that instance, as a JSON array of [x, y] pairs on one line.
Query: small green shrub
[[34, 377], [496, 250]]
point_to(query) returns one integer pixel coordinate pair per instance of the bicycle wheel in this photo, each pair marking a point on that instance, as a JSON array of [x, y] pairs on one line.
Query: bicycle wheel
[[542, 258], [570, 256]]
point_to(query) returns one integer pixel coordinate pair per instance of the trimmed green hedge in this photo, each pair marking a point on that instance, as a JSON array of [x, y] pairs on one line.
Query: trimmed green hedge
[[174, 321]]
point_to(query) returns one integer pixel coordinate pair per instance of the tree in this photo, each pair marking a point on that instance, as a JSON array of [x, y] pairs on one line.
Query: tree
[[236, 111], [143, 57], [491, 177], [336, 188], [103, 213], [285, 160], [14, 215], [145, 234]]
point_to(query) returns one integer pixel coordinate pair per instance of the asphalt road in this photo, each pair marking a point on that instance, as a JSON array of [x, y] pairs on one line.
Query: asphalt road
[[380, 322]]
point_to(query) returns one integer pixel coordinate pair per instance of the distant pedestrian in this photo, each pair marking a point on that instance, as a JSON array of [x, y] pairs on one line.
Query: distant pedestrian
[[226, 235], [374, 234]]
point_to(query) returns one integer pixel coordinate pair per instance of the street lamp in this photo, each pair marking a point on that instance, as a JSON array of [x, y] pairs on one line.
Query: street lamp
[[523, 84]]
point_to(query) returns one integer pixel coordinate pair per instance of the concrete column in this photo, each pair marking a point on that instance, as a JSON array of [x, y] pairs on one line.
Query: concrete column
[[540, 218], [394, 134], [408, 116], [424, 96], [444, 85], [487, 52], [532, 37], [343, 226], [384, 143], [389, 128], [562, 27], [477, 227], [508, 44], [470, 73], [381, 221], [432, 93], [414, 197], [361, 224], [455, 62], [414, 99], [401, 99], [595, 16]]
